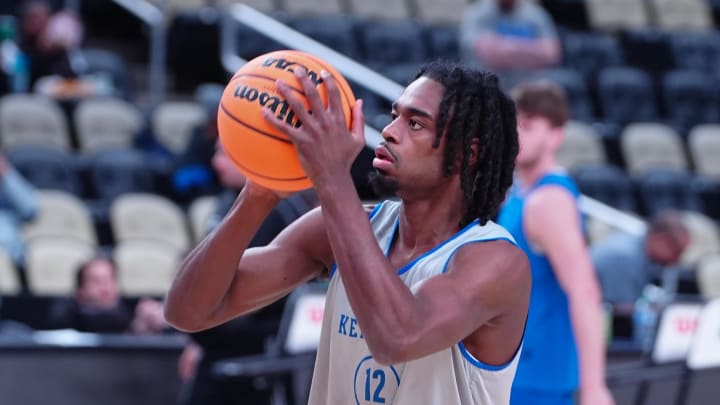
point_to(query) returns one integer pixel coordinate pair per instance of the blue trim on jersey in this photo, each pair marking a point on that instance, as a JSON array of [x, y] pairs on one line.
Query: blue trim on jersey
[[431, 251], [477, 363], [392, 236], [376, 209], [475, 241], [370, 217]]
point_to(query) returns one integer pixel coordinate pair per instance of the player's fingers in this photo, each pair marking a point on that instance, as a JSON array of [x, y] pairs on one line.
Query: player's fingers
[[311, 93], [358, 121], [334, 100], [293, 101], [293, 133]]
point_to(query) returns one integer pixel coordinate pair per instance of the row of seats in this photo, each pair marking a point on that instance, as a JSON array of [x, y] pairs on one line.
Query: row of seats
[[654, 191], [644, 147], [602, 14], [378, 42], [131, 216], [448, 11], [681, 98], [145, 267], [150, 232], [107, 174], [100, 177], [97, 123], [612, 15]]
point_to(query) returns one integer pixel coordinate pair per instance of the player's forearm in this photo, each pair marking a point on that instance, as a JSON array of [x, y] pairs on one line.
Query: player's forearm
[[207, 273], [382, 303], [588, 327]]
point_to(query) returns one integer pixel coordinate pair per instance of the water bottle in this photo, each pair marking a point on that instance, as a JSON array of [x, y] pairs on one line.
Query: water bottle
[[21, 75], [644, 324], [646, 314]]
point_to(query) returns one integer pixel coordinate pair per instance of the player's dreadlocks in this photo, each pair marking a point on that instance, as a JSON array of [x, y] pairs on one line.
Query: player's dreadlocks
[[474, 106]]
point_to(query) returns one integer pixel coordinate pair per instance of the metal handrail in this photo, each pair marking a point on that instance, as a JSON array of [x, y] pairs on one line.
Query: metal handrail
[[268, 26], [283, 34], [612, 216], [373, 81], [153, 17]]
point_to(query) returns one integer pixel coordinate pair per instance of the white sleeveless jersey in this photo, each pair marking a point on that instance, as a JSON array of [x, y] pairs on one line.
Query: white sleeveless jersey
[[345, 371]]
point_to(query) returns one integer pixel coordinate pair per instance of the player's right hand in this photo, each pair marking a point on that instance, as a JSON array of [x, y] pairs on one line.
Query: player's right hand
[[257, 191]]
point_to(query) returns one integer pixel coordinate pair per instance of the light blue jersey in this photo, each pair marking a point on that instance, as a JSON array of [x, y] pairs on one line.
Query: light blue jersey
[[345, 371]]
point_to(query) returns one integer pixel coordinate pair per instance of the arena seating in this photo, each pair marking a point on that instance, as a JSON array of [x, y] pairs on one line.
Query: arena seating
[[641, 76]]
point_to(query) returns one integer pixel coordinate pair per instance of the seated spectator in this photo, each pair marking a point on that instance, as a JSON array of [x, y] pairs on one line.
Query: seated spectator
[[97, 307], [48, 38], [244, 335], [18, 204], [66, 85], [625, 263], [511, 38], [193, 175]]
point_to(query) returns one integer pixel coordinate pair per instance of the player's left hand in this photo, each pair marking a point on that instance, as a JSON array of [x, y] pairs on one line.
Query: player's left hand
[[325, 146]]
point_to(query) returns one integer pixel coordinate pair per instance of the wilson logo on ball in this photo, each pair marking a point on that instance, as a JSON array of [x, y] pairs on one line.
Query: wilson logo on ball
[[265, 99]]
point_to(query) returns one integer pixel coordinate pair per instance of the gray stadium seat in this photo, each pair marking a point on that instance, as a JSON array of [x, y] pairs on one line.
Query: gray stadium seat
[[581, 146], [626, 95], [145, 216], [662, 189], [32, 120], [48, 168], [690, 98], [106, 123], [608, 184], [685, 15], [704, 145], [652, 146], [612, 15]]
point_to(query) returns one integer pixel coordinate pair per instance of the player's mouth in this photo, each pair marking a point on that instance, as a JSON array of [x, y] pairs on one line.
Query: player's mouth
[[384, 159]]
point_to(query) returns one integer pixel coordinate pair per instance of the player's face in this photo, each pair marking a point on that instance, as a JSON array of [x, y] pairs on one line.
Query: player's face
[[407, 156], [537, 138]]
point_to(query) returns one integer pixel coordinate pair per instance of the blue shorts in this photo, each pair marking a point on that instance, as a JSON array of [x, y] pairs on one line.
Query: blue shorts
[[532, 397]]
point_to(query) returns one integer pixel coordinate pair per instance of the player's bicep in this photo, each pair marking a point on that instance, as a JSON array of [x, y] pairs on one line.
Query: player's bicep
[[265, 274]]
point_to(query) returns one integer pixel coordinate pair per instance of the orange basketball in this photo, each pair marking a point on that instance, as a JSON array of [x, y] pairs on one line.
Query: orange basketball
[[261, 152]]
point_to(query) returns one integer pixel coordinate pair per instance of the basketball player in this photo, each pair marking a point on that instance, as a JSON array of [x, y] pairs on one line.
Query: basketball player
[[565, 320], [427, 299]]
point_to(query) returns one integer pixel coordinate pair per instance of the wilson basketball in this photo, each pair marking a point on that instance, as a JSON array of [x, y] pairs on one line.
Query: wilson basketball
[[261, 152]]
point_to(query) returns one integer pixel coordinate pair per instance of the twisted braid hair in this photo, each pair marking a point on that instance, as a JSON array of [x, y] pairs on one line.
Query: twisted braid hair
[[474, 107]]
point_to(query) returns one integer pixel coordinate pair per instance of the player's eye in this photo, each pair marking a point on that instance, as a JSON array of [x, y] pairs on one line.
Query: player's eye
[[415, 125]]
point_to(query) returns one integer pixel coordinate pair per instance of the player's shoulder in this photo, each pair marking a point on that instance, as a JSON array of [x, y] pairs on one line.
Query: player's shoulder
[[501, 255], [495, 267]]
